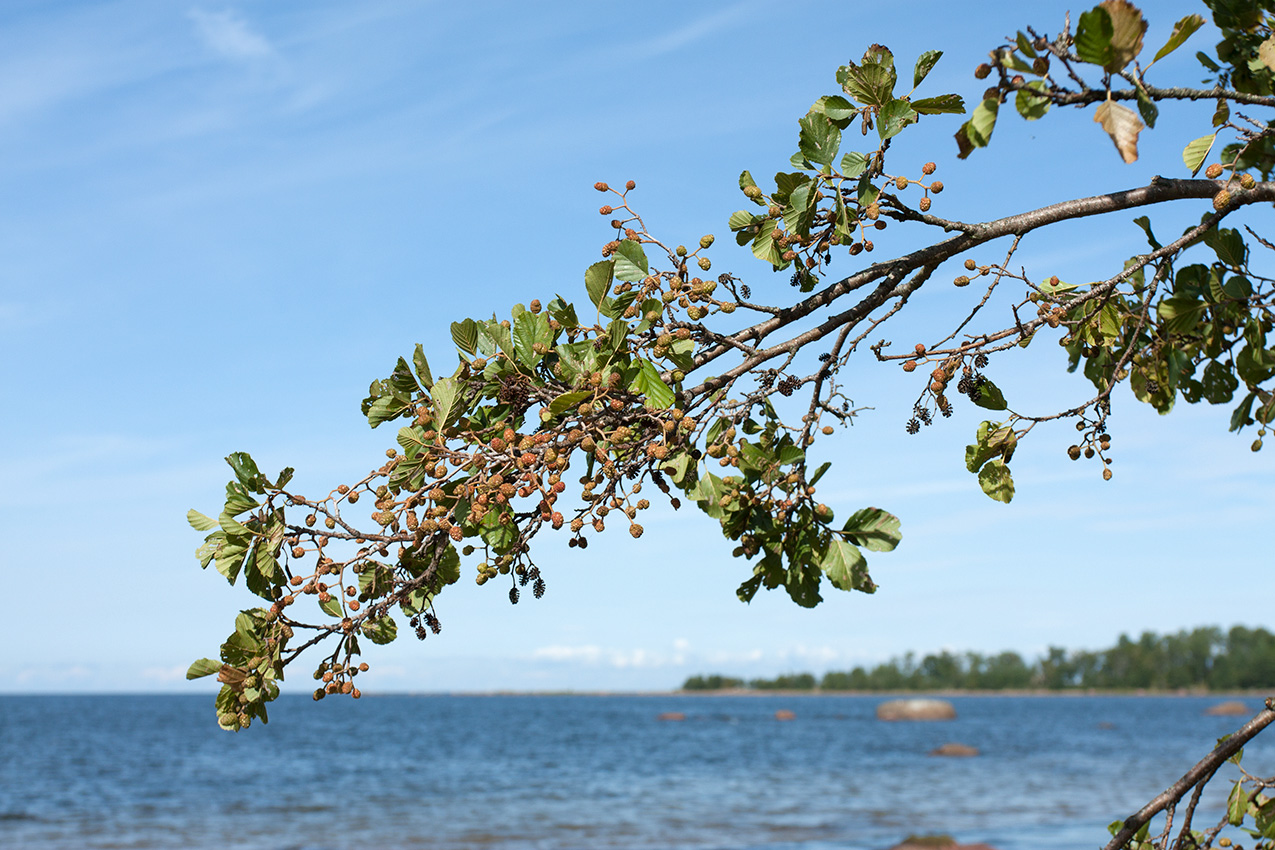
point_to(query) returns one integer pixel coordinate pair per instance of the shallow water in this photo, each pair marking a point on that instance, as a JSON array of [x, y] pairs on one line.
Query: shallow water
[[566, 772]]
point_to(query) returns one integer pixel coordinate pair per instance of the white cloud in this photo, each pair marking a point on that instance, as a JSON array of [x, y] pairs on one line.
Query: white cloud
[[230, 35], [589, 654]]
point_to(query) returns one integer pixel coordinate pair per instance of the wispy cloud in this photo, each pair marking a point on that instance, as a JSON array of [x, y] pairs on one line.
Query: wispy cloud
[[694, 31], [230, 35]]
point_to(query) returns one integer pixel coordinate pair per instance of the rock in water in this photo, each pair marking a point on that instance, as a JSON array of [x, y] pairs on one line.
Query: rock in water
[[955, 750], [936, 842], [916, 709], [1234, 708], [785, 714]]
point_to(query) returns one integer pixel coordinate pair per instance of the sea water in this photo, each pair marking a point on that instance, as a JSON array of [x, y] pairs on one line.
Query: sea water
[[566, 772]]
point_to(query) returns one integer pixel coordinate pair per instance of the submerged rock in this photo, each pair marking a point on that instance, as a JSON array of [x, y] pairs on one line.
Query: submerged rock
[[785, 714], [1232, 708], [916, 709], [672, 715]]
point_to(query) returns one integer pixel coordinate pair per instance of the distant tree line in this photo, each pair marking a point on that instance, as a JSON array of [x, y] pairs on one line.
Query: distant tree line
[[1204, 658]]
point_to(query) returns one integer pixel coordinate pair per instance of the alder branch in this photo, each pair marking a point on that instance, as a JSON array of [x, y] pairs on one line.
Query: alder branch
[[1160, 190], [1202, 771]]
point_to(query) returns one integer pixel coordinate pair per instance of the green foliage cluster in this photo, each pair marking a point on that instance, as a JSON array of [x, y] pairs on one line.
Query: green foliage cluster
[[1200, 659], [671, 382]]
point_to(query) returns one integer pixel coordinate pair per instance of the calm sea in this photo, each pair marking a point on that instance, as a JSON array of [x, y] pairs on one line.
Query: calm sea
[[559, 772]]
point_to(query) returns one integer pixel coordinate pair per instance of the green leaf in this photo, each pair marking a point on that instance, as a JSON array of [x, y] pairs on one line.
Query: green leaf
[[1179, 315], [814, 479], [746, 180], [1237, 287], [990, 397], [1207, 62], [1229, 246], [199, 522], [445, 402], [707, 493], [819, 138], [835, 107], [203, 667], [565, 313], [871, 84], [977, 131], [597, 280], [1030, 106], [844, 565], [996, 481], [874, 529], [1194, 154], [868, 192], [245, 469], [1242, 415], [1182, 30], [376, 580], [412, 439], [1222, 114], [630, 262], [380, 631], [496, 534], [950, 103], [1236, 804], [1094, 33], [1025, 45], [924, 63], [1145, 223], [764, 244], [853, 164], [332, 607], [1219, 383], [991, 440], [647, 382], [568, 401], [230, 557], [1147, 108], [681, 353], [894, 116], [741, 219], [465, 335], [530, 329], [422, 367], [1110, 35]]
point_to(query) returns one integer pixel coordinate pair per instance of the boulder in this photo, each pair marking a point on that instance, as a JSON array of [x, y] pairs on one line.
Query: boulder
[[936, 842], [916, 709], [1233, 708], [955, 750], [785, 714], [672, 715]]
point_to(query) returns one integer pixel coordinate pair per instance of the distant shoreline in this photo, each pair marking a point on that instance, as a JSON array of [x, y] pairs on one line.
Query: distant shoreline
[[725, 692], [748, 693]]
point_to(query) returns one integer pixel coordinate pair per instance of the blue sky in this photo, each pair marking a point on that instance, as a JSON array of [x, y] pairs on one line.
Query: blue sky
[[221, 221]]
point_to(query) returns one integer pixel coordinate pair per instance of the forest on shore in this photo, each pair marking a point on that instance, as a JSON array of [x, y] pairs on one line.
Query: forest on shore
[[1205, 658]]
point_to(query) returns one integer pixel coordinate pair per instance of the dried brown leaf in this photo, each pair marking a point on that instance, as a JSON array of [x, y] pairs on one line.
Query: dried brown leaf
[[1266, 52], [1128, 27], [1122, 125]]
